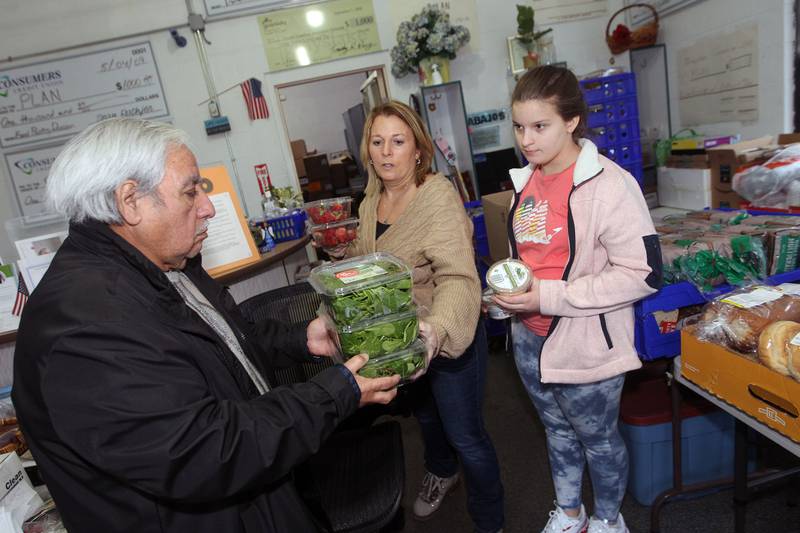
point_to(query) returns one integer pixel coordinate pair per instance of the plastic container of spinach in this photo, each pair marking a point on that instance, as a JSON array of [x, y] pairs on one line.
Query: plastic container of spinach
[[363, 288], [406, 362], [379, 336]]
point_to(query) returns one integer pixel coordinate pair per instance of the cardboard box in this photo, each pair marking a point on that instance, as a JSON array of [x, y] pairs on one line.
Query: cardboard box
[[724, 161], [299, 149], [495, 216], [685, 188], [767, 396], [688, 161], [727, 158]]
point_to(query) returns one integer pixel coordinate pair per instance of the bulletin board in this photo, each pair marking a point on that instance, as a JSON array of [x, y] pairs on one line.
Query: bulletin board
[[317, 33]]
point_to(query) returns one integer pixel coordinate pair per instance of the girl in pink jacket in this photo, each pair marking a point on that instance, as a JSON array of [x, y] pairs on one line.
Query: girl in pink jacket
[[581, 224]]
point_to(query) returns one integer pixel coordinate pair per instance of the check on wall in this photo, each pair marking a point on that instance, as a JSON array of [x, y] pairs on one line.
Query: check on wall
[[44, 102]]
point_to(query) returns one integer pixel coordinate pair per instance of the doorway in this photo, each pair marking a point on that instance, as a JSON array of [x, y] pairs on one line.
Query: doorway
[[324, 120]]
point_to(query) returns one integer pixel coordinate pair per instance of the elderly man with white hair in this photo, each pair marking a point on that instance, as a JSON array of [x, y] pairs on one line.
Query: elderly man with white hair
[[138, 383]]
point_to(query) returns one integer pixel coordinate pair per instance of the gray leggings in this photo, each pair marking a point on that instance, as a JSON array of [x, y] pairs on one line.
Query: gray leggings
[[581, 425]]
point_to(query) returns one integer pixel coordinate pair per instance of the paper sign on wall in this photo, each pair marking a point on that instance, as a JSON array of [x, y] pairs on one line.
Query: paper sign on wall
[[229, 244]]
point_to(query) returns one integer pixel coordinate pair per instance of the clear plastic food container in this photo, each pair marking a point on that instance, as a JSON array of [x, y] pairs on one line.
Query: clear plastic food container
[[509, 276], [495, 311], [363, 287], [407, 362], [328, 210], [379, 336], [335, 233]]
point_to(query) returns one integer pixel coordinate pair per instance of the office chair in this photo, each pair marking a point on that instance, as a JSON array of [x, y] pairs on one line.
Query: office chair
[[354, 484]]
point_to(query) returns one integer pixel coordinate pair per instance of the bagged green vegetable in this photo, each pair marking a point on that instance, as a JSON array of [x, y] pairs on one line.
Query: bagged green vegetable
[[363, 288], [406, 363], [380, 336]]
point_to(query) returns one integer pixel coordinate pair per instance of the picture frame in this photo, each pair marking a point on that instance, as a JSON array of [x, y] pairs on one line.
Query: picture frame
[[516, 54]]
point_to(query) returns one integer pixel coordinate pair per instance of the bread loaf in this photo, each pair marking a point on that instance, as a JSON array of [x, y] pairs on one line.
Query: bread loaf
[[776, 351], [739, 328]]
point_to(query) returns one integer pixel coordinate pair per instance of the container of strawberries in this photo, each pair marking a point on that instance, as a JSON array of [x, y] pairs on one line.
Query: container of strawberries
[[333, 234], [328, 210]]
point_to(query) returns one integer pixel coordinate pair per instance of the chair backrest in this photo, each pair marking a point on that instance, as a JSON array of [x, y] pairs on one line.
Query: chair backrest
[[293, 304]]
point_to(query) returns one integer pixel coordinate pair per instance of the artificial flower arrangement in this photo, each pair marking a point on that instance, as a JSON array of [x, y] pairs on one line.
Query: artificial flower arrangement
[[427, 35]]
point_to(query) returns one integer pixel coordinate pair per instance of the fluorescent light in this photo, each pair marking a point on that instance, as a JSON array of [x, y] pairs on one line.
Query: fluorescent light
[[315, 18], [302, 56]]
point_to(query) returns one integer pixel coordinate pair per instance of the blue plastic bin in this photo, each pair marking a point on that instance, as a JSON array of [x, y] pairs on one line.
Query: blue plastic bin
[[288, 227], [649, 341], [608, 87], [646, 425], [605, 113]]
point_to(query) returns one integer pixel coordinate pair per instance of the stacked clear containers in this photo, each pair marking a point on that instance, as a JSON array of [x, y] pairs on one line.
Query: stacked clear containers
[[329, 222], [368, 301]]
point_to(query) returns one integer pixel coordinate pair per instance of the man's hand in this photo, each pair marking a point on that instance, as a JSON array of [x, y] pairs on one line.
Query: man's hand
[[373, 390], [527, 302], [320, 341]]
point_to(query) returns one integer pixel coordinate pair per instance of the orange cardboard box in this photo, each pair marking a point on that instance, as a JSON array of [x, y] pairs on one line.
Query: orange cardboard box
[[751, 387]]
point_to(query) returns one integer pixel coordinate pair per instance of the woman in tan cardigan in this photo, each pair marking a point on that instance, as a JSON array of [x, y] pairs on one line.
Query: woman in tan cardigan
[[418, 216]]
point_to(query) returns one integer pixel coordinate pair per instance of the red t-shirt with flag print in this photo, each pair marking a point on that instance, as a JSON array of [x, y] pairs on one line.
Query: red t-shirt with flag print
[[540, 229]]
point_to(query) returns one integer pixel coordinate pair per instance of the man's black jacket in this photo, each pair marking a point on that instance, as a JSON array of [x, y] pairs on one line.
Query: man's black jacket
[[139, 416]]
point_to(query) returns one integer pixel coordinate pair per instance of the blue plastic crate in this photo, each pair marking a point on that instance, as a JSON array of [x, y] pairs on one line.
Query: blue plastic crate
[[608, 87], [288, 227], [623, 154], [706, 453], [605, 113], [648, 339], [636, 169]]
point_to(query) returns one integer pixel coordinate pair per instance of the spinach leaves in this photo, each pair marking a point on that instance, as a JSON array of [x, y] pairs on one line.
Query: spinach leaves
[[381, 338]]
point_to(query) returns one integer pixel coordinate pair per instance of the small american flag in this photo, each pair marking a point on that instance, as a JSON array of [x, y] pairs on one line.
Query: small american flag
[[256, 105], [22, 296]]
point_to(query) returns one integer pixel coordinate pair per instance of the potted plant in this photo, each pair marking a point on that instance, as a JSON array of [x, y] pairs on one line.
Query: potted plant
[[528, 36], [426, 44]]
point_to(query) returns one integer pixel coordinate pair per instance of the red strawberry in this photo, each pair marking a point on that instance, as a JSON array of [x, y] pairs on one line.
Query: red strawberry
[[351, 234], [329, 240], [341, 234]]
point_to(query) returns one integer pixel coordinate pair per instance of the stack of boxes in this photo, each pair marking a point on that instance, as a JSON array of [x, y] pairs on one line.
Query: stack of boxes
[[613, 120]]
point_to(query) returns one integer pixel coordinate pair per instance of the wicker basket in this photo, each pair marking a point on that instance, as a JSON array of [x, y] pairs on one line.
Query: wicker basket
[[644, 35]]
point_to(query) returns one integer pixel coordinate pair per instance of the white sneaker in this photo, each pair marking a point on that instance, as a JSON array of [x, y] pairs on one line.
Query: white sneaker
[[433, 491], [560, 522], [602, 526]]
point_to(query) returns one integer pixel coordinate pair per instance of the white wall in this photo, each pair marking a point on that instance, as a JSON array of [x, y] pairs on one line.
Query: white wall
[[325, 101], [775, 20], [237, 54]]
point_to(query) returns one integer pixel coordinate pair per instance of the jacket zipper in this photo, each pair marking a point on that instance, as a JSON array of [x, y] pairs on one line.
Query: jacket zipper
[[571, 238], [605, 330]]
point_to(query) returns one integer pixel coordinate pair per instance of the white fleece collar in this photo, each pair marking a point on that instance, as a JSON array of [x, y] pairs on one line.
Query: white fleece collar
[[587, 166]]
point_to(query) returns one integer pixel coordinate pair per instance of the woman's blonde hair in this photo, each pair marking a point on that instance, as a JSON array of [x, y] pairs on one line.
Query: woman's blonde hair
[[423, 142]]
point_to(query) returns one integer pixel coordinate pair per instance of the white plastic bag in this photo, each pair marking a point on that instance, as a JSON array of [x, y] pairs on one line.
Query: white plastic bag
[[769, 184], [18, 499]]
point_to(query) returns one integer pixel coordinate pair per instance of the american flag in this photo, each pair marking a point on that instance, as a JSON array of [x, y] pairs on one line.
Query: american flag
[[256, 105], [22, 296]]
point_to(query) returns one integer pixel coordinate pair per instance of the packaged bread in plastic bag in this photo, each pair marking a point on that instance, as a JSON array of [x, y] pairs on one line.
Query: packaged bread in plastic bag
[[736, 319], [779, 348]]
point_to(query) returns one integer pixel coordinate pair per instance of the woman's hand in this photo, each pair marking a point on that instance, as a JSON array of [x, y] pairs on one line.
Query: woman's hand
[[337, 252], [527, 302], [431, 338]]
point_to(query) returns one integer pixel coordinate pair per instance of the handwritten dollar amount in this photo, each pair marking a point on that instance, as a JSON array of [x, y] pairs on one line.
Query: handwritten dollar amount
[[359, 21], [126, 85]]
